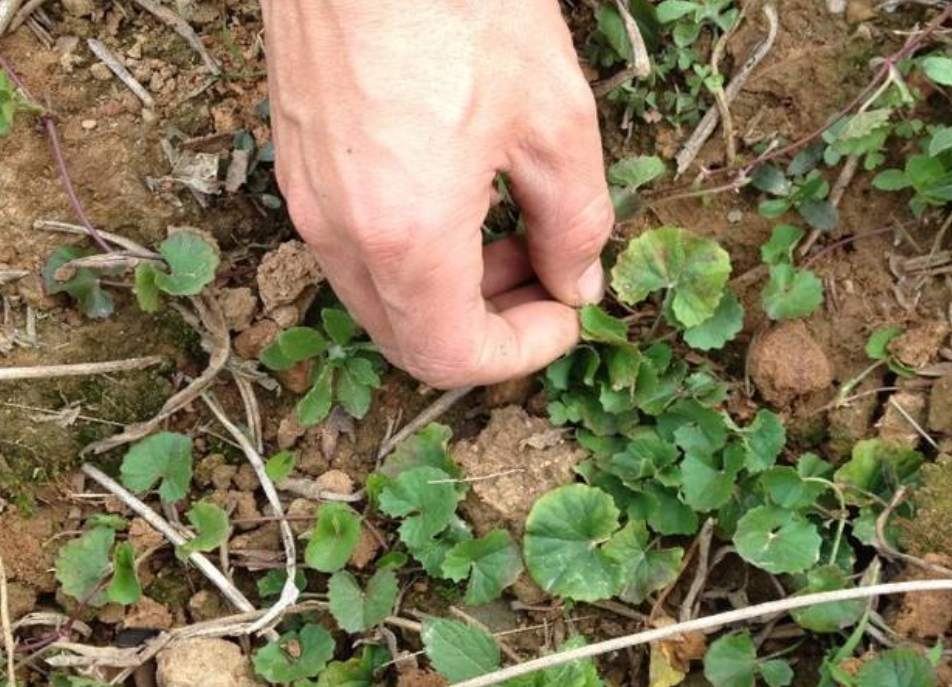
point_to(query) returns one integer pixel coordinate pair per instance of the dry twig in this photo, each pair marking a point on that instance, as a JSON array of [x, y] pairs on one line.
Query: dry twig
[[15, 374], [640, 62], [289, 594], [440, 406], [8, 8], [701, 624], [709, 122], [182, 28], [161, 525], [29, 7], [9, 646], [124, 75]]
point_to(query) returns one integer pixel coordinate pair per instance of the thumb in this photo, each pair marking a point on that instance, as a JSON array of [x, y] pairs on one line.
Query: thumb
[[558, 179]]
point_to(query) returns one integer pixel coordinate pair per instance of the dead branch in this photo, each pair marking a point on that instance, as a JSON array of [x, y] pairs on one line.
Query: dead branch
[[440, 406], [15, 374], [9, 646], [182, 28], [124, 75], [640, 62]]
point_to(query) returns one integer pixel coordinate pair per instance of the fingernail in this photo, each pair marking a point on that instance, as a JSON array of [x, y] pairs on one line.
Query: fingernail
[[591, 286]]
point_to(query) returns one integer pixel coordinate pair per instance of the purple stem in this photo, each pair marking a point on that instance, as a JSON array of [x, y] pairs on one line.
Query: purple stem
[[52, 132]]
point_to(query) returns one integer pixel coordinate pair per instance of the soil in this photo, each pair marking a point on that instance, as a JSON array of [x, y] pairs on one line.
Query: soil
[[269, 281]]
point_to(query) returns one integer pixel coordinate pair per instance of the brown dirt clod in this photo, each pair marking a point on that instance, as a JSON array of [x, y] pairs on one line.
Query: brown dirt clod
[[505, 498], [787, 362], [205, 662], [894, 426], [926, 615], [940, 405], [920, 344], [286, 272]]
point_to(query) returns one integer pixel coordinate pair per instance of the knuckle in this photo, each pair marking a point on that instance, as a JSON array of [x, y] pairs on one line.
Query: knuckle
[[442, 369], [379, 241]]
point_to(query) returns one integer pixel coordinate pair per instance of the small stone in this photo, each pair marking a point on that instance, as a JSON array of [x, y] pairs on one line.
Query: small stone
[[89, 124], [100, 72], [223, 475], [239, 306], [286, 316], [135, 52], [289, 431], [336, 481], [286, 272], [787, 362], [860, 10], [204, 662], [207, 605], [298, 378], [143, 537], [246, 479], [919, 345], [895, 425], [366, 550], [79, 8], [148, 614], [206, 467], [940, 405], [301, 508], [256, 338]]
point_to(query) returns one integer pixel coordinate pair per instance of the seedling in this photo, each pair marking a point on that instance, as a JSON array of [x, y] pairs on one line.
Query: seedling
[[94, 570], [344, 369], [192, 261], [790, 292], [807, 194], [12, 102], [626, 177], [84, 285], [297, 655], [732, 662]]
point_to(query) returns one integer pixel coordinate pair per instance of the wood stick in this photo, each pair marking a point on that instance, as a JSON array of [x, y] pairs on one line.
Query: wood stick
[[182, 28], [15, 374], [124, 75]]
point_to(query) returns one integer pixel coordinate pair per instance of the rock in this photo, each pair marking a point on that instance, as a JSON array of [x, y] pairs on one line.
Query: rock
[[207, 604], [366, 550], [285, 273], [787, 362], [100, 72], [513, 392], [21, 598], [415, 677], [940, 405], [505, 500], [860, 10], [312, 461], [143, 537], [895, 426], [204, 663], [239, 306], [246, 479], [298, 378], [336, 481], [286, 316], [925, 615], [214, 470], [148, 614], [264, 538], [301, 508], [920, 344], [256, 338], [79, 8], [289, 431]]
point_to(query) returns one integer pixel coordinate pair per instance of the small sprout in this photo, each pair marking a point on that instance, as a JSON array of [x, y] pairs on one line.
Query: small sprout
[[491, 564], [211, 526], [808, 195], [346, 370], [192, 261], [426, 498], [877, 348], [12, 102], [83, 564], [83, 284], [297, 655], [355, 609], [732, 662], [777, 540], [692, 270], [280, 466], [790, 293], [124, 587], [334, 538], [459, 651], [164, 458]]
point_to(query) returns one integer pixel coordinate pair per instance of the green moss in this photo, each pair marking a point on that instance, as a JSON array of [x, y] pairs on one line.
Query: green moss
[[930, 531]]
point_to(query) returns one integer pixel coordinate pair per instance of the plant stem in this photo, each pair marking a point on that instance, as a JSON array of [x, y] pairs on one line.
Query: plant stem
[[52, 132]]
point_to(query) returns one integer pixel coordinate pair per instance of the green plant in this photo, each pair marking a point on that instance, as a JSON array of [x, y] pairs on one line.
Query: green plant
[[928, 174], [680, 77], [82, 284], [12, 102], [94, 570], [626, 176], [165, 459], [344, 369], [296, 656], [732, 662], [790, 292], [192, 261], [808, 194]]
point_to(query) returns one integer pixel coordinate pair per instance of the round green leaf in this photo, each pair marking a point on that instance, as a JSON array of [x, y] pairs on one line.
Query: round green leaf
[[777, 540], [726, 323], [335, 536], [356, 610], [598, 325], [83, 563], [830, 617], [295, 656], [897, 668], [291, 347], [562, 543], [459, 651], [211, 527], [646, 569], [731, 661], [939, 69], [634, 173], [693, 268], [491, 563], [165, 457], [192, 261], [428, 496], [791, 293], [124, 587]]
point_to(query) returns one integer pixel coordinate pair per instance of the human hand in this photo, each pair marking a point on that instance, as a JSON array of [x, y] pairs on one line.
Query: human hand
[[391, 120]]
